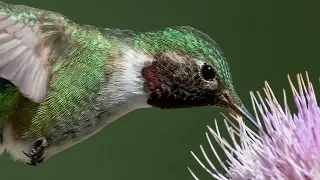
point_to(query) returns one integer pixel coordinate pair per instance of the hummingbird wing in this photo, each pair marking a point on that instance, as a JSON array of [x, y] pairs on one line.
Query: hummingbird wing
[[30, 40]]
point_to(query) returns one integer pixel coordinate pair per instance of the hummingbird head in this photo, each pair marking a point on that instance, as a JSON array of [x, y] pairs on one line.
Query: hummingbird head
[[188, 70]]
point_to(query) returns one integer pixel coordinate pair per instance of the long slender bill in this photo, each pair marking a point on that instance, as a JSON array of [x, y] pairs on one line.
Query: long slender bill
[[242, 111]]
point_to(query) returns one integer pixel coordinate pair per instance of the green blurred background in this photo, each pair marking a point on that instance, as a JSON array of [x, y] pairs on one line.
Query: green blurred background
[[262, 39]]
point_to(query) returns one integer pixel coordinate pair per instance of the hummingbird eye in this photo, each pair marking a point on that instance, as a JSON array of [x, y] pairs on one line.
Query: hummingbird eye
[[208, 72]]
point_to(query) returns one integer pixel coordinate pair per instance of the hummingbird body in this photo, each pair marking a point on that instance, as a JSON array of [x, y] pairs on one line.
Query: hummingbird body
[[65, 81]]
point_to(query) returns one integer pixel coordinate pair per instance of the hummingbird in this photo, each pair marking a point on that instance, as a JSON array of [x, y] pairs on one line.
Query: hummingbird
[[62, 82]]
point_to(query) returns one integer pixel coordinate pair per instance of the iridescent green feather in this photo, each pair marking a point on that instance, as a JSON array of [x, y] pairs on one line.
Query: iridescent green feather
[[8, 99], [78, 62], [79, 58], [198, 45]]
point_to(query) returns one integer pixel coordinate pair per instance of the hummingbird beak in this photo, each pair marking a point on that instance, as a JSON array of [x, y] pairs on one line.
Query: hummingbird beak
[[241, 111]]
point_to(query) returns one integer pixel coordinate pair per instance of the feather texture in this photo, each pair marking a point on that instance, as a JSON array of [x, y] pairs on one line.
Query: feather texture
[[68, 81], [56, 64], [19, 62]]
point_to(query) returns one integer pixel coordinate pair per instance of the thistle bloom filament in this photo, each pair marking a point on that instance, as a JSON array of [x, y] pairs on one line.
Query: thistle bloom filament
[[288, 149]]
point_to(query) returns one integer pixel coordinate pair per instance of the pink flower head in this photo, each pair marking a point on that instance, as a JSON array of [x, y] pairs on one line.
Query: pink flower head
[[288, 149]]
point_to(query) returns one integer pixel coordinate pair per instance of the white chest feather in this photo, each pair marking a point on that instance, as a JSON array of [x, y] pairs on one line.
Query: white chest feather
[[124, 90]]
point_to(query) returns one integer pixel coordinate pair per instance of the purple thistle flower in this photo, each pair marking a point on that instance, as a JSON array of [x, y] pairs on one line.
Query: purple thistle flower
[[289, 149]]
